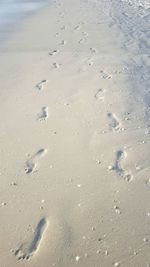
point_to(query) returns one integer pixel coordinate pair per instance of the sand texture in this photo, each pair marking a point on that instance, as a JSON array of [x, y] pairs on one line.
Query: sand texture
[[75, 137]]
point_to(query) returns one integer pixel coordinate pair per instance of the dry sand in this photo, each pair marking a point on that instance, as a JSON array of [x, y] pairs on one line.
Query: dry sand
[[74, 139]]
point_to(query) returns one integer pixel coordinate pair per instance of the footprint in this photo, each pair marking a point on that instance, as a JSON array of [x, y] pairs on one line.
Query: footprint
[[63, 28], [93, 50], [40, 153], [113, 122], [90, 63], [120, 155], [99, 94], [40, 85], [63, 42], [77, 27], [85, 33], [56, 65], [27, 250], [30, 164], [44, 114], [105, 75], [117, 167], [56, 34], [54, 52], [81, 41]]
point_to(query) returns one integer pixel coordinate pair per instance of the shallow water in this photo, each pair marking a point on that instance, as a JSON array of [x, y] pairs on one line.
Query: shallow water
[[13, 9]]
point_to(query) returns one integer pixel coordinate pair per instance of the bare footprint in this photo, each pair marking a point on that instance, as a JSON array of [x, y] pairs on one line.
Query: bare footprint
[[77, 27], [40, 153], [93, 50], [63, 42], [29, 167], [81, 41], [85, 33], [99, 94], [117, 166], [30, 164], [105, 75], [56, 34], [114, 123], [27, 250], [40, 85], [43, 114], [56, 65], [64, 27], [53, 53]]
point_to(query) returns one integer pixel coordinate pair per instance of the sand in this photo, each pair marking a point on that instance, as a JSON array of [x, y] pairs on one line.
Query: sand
[[74, 138]]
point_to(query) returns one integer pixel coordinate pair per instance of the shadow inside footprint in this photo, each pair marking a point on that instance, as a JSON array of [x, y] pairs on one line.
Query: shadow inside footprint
[[40, 152], [37, 236], [117, 166]]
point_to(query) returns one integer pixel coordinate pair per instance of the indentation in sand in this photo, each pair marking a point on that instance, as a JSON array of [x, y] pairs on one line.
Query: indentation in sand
[[56, 65], [100, 94], [85, 33], [93, 50], [117, 166], [77, 27], [63, 42], [113, 121], [41, 84], [30, 164], [81, 41], [43, 115], [27, 250], [54, 52], [105, 75]]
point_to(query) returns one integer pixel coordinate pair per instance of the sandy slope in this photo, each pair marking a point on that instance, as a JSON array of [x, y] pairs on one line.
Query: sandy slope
[[74, 138]]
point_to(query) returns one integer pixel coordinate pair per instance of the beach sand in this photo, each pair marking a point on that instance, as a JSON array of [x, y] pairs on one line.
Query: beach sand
[[75, 147]]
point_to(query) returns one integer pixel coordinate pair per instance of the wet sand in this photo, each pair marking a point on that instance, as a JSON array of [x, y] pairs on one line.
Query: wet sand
[[74, 138]]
